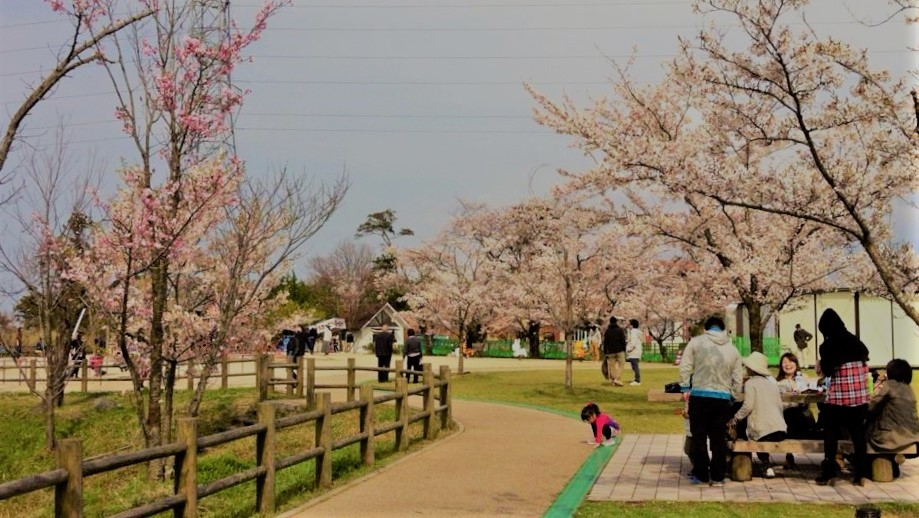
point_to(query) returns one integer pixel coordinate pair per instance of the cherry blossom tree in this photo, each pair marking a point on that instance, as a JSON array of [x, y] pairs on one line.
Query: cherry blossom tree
[[794, 125], [348, 273], [670, 293], [46, 229], [567, 261], [448, 283], [140, 228], [91, 26], [175, 105], [254, 243]]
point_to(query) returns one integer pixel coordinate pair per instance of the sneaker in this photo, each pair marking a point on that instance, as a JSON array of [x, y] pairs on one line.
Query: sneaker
[[609, 442], [696, 482], [770, 473], [635, 383], [717, 483]]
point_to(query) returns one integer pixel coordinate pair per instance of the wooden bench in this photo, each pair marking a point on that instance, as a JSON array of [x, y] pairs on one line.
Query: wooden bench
[[741, 461]]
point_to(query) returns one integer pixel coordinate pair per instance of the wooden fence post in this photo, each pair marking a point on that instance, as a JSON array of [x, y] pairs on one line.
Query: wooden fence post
[[289, 377], [224, 374], [446, 397], [324, 440], [400, 368], [68, 495], [264, 450], [402, 414], [84, 376], [352, 383], [300, 381], [186, 468], [33, 372], [430, 425], [263, 368], [311, 383], [367, 419]]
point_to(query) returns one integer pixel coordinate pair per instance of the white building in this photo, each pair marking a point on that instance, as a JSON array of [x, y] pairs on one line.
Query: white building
[[879, 323]]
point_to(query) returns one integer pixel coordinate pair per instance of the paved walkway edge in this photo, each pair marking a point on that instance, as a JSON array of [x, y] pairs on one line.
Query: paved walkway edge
[[577, 488]]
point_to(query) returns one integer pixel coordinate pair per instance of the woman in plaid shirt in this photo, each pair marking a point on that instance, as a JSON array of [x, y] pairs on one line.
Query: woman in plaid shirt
[[843, 359]]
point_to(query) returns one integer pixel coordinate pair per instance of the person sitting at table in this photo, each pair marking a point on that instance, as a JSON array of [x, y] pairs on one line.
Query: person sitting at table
[[798, 417], [892, 422], [762, 408]]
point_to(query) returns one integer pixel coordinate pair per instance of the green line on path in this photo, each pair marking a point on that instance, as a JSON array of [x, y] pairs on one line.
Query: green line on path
[[574, 493]]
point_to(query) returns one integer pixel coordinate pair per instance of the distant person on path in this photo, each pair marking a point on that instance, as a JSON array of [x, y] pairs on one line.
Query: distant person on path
[[382, 348], [77, 354], [349, 340], [303, 336], [843, 359], [892, 420], [312, 336], [602, 426], [762, 408], [294, 349], [412, 353], [633, 351], [801, 337], [327, 341], [712, 372], [594, 339], [614, 340]]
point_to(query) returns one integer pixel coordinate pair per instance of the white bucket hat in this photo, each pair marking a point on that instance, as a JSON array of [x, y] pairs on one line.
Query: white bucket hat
[[758, 363]]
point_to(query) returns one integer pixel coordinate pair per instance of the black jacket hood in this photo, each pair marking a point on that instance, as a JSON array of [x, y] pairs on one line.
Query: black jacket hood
[[831, 325]]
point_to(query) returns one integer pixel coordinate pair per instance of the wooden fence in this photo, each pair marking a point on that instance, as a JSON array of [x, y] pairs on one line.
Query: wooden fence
[[32, 370], [67, 478]]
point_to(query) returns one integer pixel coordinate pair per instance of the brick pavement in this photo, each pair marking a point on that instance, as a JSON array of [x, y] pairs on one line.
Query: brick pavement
[[653, 467]]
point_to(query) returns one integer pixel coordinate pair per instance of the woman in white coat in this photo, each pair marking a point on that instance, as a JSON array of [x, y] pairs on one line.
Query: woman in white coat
[[633, 350]]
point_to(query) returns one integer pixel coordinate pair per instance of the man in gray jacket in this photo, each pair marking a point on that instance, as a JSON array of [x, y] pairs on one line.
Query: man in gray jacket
[[712, 373]]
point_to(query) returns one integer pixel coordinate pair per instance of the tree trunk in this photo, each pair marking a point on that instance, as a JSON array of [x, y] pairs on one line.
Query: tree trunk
[[459, 362], [154, 418], [169, 399], [48, 403], [569, 379], [755, 314]]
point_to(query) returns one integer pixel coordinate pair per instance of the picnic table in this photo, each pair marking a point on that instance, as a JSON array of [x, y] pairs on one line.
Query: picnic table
[[659, 396]]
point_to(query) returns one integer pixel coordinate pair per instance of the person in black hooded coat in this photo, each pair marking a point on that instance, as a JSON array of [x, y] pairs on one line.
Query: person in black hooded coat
[[844, 359]]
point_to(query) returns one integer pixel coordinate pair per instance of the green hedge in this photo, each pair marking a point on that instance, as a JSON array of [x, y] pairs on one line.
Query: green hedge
[[650, 352]]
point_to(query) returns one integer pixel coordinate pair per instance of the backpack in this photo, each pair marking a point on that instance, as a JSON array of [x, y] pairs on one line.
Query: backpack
[[285, 340]]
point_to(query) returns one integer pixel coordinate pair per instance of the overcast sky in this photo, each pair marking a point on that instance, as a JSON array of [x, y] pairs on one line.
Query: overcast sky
[[420, 101]]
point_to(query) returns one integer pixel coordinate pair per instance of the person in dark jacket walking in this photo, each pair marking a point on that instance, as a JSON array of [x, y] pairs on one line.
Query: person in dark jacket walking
[[614, 341], [382, 348], [293, 348], [844, 360], [412, 352]]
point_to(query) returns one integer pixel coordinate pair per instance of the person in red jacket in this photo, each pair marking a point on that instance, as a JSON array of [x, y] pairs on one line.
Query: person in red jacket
[[603, 427]]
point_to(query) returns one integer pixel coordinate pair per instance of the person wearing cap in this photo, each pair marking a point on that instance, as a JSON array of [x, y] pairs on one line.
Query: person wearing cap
[[762, 407]]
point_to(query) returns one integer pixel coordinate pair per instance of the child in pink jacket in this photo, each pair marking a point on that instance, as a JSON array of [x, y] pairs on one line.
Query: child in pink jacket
[[603, 427]]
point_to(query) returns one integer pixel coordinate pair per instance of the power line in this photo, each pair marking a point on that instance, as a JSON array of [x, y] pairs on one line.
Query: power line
[[407, 131], [570, 57]]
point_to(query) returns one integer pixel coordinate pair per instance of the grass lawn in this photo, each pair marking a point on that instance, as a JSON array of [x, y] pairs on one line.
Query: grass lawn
[[629, 405]]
